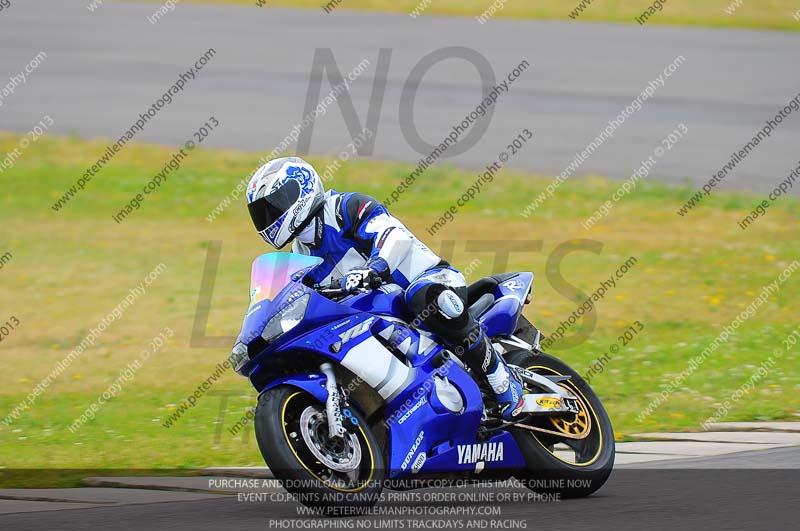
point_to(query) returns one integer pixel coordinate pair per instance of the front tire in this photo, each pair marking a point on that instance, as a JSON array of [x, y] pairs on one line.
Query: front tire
[[340, 476], [551, 465]]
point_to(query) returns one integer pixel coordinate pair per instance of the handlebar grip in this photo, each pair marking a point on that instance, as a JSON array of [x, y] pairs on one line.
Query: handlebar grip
[[341, 291]]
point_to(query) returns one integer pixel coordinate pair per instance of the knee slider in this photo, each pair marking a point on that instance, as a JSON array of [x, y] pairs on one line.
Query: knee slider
[[450, 305]]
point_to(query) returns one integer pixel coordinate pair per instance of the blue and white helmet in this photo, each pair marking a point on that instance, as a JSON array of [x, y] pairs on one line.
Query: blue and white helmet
[[282, 195]]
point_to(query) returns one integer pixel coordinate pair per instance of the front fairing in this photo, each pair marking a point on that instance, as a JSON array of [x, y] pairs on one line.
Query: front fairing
[[276, 282], [363, 334], [270, 277]]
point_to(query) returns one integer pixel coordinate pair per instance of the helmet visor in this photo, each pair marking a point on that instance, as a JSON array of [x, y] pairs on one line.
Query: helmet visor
[[266, 210]]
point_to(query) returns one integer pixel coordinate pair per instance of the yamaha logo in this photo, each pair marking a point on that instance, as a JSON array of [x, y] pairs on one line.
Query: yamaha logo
[[473, 453]]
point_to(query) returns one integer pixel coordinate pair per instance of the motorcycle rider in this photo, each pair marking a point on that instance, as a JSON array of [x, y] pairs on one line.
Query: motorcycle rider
[[360, 241]]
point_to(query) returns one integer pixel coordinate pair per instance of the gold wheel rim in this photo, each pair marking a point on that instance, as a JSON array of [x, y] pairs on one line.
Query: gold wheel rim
[[579, 426]]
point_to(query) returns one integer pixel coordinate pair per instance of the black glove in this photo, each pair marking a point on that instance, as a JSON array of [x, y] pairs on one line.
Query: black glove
[[361, 278], [370, 276]]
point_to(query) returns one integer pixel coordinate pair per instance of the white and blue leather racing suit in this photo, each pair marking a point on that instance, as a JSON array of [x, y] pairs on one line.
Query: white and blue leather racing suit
[[353, 231]]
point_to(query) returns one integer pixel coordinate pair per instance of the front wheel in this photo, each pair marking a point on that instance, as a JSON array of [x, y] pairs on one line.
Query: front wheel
[[339, 476], [571, 454]]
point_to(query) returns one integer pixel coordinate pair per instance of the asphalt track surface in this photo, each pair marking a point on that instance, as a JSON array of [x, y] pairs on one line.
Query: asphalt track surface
[[105, 67], [751, 490]]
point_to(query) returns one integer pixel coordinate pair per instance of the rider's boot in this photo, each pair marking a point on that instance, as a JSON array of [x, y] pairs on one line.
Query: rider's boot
[[484, 360]]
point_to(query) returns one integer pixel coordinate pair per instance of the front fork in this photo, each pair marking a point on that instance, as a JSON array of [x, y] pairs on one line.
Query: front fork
[[333, 403]]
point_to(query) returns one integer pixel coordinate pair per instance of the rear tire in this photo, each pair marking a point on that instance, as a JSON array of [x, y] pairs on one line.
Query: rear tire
[[286, 419], [549, 469]]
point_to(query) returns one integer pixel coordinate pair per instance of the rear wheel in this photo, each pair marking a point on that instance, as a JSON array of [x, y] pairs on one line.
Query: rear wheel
[[572, 454], [340, 476]]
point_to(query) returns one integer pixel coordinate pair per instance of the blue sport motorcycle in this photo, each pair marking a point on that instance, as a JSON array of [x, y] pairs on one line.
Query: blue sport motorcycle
[[354, 397]]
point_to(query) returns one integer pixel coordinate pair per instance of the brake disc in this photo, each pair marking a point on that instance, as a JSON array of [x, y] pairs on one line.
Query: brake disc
[[342, 454]]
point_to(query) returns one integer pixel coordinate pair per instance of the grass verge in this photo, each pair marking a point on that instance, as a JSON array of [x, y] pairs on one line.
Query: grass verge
[[753, 14], [70, 269]]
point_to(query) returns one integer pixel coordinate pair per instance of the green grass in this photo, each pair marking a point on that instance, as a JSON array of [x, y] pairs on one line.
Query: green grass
[[756, 14], [69, 269]]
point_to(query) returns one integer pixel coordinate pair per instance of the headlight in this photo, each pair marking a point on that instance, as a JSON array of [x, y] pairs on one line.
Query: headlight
[[287, 318], [239, 356]]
